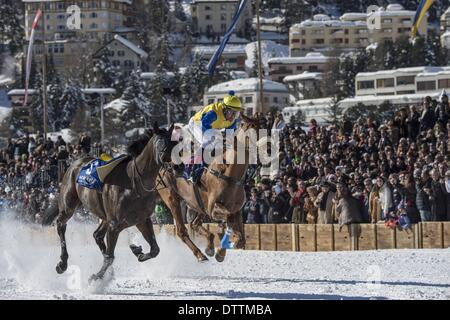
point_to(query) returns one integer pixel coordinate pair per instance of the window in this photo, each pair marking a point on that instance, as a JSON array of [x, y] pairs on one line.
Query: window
[[116, 63], [223, 27], [295, 40], [387, 30], [275, 99], [299, 68], [370, 84], [387, 21], [444, 83], [405, 80], [121, 53], [61, 27], [223, 7], [248, 100], [385, 83], [128, 63], [319, 41], [223, 17], [426, 85], [313, 68], [208, 17], [207, 8], [303, 41], [94, 26], [94, 15], [60, 17]]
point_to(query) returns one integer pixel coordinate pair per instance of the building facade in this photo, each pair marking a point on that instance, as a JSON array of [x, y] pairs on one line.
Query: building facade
[[279, 68], [403, 81], [212, 17], [233, 56], [99, 19], [276, 95], [352, 30]]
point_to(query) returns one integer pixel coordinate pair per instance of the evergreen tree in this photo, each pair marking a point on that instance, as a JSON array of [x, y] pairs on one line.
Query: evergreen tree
[[194, 81], [157, 98], [71, 100], [139, 109], [382, 112], [11, 29], [36, 105], [334, 111], [179, 11], [254, 71]]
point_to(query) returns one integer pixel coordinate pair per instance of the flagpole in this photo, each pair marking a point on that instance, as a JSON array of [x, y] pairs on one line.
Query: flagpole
[[260, 65], [44, 72]]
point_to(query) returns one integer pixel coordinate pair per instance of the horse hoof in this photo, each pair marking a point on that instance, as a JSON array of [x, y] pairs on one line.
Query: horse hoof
[[220, 255], [202, 259], [210, 252], [93, 278], [61, 267], [136, 250]]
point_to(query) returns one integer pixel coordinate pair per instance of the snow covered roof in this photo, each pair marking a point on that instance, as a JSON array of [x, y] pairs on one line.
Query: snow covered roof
[[394, 12], [4, 80], [304, 76], [412, 70], [270, 49], [151, 75], [117, 105], [246, 85], [20, 92], [329, 23], [130, 45], [313, 102], [311, 57], [99, 90], [349, 16], [209, 50], [274, 20], [395, 99], [236, 74], [233, 40]]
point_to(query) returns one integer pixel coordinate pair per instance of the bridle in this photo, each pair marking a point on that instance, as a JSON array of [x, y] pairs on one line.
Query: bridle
[[166, 166]]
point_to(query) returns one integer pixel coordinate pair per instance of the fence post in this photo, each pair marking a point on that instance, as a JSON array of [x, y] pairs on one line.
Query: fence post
[[295, 237]]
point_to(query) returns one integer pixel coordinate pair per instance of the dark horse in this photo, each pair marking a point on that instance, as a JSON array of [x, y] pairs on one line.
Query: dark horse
[[127, 198]]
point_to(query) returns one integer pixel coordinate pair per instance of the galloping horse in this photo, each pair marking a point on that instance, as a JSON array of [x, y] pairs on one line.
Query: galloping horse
[[127, 199], [221, 192]]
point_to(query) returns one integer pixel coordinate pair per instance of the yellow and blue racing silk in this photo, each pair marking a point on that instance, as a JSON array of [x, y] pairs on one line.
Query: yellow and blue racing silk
[[212, 117]]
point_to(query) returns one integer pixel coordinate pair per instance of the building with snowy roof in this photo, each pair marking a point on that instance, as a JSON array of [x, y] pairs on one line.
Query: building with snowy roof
[[123, 54], [99, 22], [279, 68], [352, 30], [233, 56], [305, 84], [212, 17], [420, 80], [276, 95]]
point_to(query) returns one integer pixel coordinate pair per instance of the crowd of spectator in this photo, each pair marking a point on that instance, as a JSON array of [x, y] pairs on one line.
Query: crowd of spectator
[[395, 172], [30, 170]]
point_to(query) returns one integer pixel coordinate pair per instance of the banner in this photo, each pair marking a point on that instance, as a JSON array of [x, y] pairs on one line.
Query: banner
[[30, 53], [215, 58], [420, 14]]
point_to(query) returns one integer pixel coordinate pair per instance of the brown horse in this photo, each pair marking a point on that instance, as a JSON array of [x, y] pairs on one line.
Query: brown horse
[[222, 195], [127, 198]]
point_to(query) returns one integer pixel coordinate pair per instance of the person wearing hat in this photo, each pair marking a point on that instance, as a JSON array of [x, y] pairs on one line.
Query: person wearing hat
[[442, 111], [219, 115], [324, 204]]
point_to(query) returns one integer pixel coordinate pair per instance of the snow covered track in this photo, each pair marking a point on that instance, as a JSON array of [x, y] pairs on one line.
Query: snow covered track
[[27, 271]]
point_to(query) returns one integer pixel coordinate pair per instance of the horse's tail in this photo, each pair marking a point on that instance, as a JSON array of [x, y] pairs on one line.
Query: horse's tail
[[51, 212]]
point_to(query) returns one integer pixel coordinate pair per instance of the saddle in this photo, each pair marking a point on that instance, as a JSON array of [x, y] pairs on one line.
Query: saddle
[[102, 171]]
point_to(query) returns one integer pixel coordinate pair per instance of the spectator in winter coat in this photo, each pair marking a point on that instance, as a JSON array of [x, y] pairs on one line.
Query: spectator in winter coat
[[442, 112], [423, 188], [385, 199], [347, 208], [324, 204], [276, 208], [413, 123], [446, 183], [298, 203], [438, 197], [427, 119], [252, 208]]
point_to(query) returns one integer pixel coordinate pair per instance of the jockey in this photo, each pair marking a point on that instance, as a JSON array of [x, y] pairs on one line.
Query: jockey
[[219, 115]]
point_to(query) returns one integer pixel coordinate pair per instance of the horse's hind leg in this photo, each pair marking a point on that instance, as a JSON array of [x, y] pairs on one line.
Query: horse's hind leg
[[197, 226], [99, 236], [61, 225], [148, 233]]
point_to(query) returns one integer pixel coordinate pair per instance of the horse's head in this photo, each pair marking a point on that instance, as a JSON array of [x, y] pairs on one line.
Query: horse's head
[[163, 144], [247, 133]]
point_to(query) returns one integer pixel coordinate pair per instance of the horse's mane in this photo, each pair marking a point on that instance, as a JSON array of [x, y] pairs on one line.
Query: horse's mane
[[136, 147]]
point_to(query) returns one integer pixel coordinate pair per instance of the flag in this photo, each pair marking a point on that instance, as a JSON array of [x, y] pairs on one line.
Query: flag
[[30, 53], [420, 14], [215, 58]]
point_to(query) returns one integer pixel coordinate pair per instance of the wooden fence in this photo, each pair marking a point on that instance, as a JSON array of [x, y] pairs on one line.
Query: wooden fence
[[327, 237]]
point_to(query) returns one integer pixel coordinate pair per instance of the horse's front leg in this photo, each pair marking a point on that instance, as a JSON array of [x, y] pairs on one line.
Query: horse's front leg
[[148, 233], [197, 226], [112, 235]]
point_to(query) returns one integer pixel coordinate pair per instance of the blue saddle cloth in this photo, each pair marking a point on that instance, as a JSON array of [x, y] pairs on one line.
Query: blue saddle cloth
[[88, 176]]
